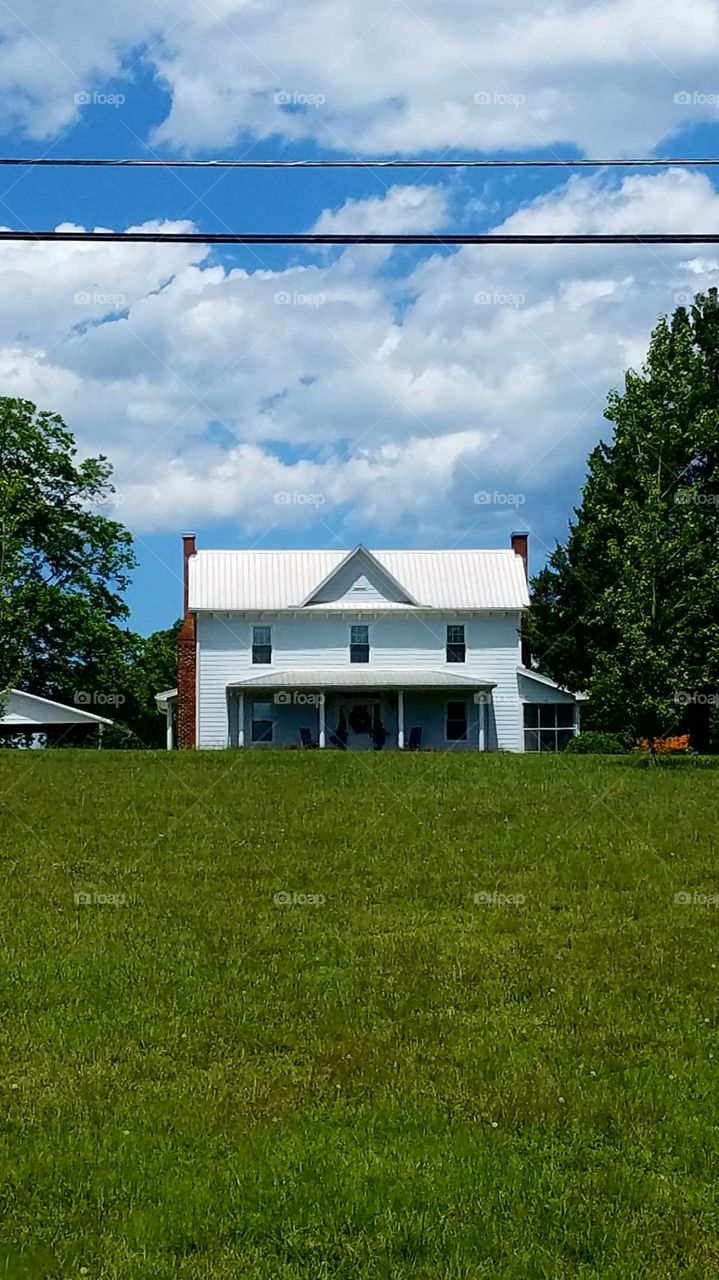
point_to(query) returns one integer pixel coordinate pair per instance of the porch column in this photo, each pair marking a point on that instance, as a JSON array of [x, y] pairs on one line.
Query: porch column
[[400, 719], [168, 722], [321, 713], [241, 720], [481, 720]]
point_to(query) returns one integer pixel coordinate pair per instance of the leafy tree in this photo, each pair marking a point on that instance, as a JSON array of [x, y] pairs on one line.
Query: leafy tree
[[628, 607], [63, 569], [150, 667]]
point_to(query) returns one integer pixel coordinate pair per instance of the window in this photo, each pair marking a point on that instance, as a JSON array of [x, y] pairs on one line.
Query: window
[[262, 721], [548, 726], [456, 721], [456, 647], [359, 644], [262, 644]]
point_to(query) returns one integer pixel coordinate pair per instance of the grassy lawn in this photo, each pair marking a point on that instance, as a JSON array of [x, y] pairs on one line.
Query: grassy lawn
[[390, 1080]]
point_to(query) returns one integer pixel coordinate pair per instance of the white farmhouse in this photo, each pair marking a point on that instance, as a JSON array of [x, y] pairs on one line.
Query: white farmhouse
[[361, 650]]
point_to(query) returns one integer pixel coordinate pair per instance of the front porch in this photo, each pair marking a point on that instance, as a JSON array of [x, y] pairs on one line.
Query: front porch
[[362, 710]]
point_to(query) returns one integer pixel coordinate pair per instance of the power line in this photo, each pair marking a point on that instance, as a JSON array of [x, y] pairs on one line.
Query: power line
[[490, 163], [286, 238]]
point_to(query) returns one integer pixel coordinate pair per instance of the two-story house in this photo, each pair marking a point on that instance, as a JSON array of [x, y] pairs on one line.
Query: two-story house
[[360, 650]]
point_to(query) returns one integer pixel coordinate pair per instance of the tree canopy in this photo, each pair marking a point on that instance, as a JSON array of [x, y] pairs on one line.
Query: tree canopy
[[627, 608], [64, 569]]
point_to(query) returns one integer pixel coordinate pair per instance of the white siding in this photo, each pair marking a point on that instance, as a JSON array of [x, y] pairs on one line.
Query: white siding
[[493, 654]]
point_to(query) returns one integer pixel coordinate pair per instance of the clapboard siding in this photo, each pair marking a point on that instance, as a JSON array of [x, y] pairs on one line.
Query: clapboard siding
[[411, 641]]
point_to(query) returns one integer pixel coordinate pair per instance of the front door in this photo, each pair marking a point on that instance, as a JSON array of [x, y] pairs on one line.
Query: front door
[[363, 718]]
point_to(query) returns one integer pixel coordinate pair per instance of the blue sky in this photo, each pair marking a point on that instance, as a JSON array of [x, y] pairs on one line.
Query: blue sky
[[325, 397]]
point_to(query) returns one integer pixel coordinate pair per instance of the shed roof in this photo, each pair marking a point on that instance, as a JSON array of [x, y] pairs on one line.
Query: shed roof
[[360, 677]]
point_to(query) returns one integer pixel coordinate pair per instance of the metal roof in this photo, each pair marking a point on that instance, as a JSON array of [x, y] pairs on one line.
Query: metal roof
[[551, 684], [29, 710], [259, 581], [360, 677]]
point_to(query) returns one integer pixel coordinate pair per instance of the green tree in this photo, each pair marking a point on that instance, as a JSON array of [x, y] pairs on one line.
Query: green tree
[[63, 569], [63, 572], [149, 667], [628, 607]]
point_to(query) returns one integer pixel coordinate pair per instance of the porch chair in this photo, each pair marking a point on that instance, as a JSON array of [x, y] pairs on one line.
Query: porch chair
[[415, 738], [306, 738]]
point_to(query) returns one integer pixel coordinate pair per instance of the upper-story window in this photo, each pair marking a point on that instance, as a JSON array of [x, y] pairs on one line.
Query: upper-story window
[[456, 644], [359, 643], [262, 644]]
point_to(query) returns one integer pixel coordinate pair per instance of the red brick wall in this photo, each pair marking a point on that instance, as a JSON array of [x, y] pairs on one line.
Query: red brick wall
[[187, 660], [186, 685]]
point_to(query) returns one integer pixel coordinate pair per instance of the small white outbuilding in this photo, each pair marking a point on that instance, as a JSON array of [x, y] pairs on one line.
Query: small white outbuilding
[[22, 712]]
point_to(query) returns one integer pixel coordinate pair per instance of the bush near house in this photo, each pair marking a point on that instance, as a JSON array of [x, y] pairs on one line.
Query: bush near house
[[322, 1017], [596, 744]]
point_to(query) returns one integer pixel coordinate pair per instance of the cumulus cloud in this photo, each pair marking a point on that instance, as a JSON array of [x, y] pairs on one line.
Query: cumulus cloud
[[356, 393], [375, 77], [402, 210]]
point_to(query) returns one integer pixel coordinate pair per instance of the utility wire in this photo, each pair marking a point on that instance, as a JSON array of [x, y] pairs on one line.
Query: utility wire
[[653, 162], [240, 238]]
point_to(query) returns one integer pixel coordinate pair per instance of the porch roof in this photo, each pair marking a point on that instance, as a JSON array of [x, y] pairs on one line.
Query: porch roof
[[361, 677]]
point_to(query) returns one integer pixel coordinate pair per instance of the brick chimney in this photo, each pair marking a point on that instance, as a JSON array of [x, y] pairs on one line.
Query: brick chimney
[[520, 547], [520, 543], [187, 655]]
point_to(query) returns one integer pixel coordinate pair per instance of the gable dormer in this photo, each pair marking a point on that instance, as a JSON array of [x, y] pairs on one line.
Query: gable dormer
[[358, 579]]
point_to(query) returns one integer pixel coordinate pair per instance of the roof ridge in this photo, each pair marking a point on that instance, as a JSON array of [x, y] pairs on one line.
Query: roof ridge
[[344, 551]]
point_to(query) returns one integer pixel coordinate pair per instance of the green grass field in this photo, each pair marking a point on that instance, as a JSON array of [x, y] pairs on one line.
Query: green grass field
[[390, 1080]]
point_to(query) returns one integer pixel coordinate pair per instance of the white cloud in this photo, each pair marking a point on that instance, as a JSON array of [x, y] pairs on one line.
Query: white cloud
[[374, 77], [401, 210], [367, 396]]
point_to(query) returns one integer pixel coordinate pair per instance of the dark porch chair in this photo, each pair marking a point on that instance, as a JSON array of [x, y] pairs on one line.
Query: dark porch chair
[[415, 738], [306, 738]]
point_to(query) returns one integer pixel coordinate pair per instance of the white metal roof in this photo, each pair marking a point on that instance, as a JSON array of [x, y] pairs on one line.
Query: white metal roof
[[551, 684], [29, 711], [257, 581], [360, 677]]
